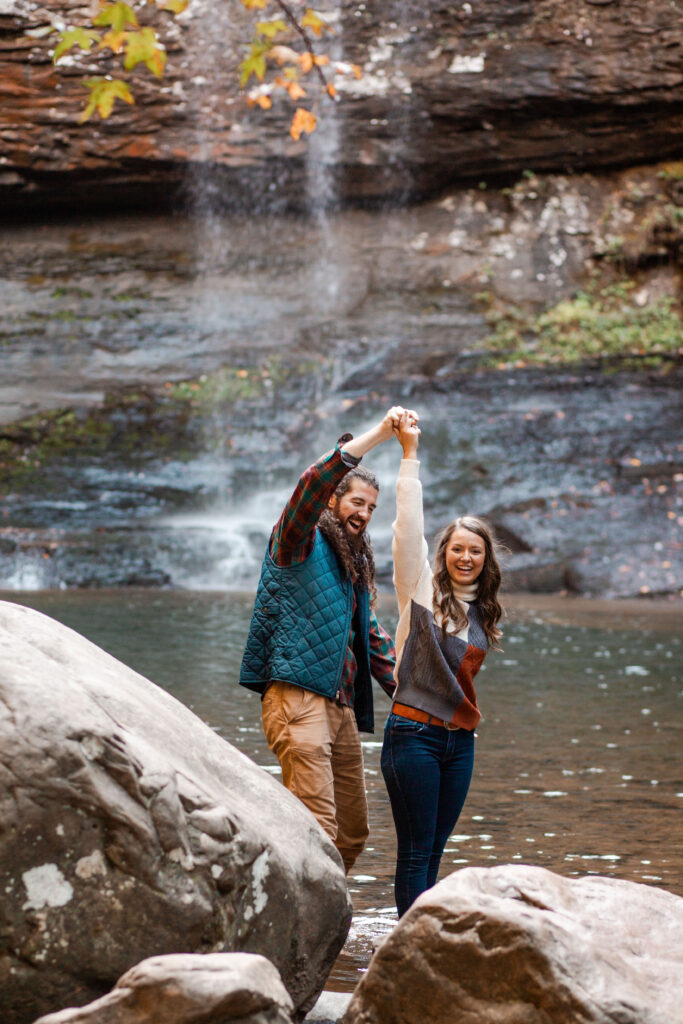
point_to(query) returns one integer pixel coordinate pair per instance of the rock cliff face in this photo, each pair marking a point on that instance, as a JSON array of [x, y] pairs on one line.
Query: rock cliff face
[[450, 94]]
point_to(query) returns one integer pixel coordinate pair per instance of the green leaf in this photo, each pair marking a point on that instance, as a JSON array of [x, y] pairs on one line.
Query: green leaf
[[270, 29], [144, 48], [254, 63], [83, 37], [103, 93], [118, 15]]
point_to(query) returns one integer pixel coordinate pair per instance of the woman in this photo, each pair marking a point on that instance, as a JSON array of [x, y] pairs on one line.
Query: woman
[[448, 620]]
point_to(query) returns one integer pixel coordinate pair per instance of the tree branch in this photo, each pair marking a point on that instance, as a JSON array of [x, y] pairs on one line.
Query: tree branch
[[308, 42]]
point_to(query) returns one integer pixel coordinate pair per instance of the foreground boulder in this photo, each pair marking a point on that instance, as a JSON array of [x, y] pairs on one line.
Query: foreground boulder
[[521, 945], [130, 829], [190, 989]]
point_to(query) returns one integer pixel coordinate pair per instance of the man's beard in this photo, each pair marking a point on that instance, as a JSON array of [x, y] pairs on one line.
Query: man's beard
[[353, 552]]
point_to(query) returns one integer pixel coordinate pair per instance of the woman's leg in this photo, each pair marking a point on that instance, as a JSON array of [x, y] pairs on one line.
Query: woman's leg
[[456, 772], [410, 765]]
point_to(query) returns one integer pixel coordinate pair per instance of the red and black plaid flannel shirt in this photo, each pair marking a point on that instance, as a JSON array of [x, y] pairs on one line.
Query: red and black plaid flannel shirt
[[292, 541]]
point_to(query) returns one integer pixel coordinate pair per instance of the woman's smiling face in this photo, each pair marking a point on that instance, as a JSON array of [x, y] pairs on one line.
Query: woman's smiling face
[[465, 556]]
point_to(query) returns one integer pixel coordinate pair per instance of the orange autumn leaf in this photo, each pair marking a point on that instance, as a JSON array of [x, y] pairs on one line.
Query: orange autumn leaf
[[308, 60], [303, 121], [295, 90], [264, 102], [331, 91]]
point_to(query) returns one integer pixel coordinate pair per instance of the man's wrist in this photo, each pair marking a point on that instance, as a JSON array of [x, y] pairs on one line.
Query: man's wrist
[[347, 458]]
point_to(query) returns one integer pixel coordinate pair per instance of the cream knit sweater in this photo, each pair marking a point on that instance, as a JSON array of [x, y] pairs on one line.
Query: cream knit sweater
[[434, 672]]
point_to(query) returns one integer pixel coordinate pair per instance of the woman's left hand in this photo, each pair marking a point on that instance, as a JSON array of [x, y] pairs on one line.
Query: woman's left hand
[[408, 433]]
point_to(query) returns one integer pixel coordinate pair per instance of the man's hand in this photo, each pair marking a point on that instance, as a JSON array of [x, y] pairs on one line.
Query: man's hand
[[392, 419]]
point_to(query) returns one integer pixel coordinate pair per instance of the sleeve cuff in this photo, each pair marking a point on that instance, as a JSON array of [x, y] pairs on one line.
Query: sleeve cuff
[[346, 457]]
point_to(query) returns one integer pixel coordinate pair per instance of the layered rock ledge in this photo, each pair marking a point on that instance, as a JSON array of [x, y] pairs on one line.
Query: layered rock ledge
[[449, 95]]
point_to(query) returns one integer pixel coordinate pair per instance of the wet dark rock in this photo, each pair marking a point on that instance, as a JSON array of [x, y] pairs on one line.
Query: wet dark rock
[[165, 380], [131, 829], [448, 96]]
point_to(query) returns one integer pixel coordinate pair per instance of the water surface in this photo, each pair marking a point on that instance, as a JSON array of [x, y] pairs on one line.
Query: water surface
[[578, 762]]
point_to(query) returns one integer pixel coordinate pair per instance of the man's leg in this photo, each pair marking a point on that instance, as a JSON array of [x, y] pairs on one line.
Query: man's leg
[[296, 725], [349, 785]]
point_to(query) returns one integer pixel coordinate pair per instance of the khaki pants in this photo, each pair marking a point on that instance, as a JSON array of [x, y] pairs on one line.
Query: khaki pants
[[317, 744]]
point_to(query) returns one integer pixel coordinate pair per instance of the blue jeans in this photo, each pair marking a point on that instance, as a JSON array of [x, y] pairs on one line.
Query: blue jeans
[[427, 771]]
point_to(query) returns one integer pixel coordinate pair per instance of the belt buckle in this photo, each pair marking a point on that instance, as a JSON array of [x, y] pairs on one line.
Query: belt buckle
[[451, 728]]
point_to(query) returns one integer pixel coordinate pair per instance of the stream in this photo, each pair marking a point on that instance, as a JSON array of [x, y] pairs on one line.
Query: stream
[[578, 766]]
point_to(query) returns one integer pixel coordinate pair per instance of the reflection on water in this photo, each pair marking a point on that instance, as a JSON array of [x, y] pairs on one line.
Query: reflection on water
[[578, 763]]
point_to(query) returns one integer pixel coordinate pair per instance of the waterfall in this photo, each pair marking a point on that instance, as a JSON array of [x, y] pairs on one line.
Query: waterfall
[[222, 544]]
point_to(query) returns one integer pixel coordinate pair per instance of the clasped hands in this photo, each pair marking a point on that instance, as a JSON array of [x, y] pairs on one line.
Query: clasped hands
[[404, 426]]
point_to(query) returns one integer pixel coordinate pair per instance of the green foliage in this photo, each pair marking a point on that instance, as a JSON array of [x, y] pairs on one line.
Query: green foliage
[[277, 41], [82, 37], [118, 16], [103, 94], [144, 48], [672, 171], [603, 324], [269, 29], [254, 63]]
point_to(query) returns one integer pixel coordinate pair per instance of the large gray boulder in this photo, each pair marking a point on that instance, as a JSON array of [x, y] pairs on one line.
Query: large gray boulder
[[188, 988], [130, 829], [521, 945]]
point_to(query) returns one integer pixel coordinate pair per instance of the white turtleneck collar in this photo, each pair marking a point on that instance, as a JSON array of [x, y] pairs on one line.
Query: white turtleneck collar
[[467, 594]]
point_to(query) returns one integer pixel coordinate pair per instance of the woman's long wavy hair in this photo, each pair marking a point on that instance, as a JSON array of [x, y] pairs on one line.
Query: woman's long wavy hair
[[488, 581]]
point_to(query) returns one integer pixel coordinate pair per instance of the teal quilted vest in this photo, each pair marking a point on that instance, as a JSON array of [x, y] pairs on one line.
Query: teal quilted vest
[[300, 629]]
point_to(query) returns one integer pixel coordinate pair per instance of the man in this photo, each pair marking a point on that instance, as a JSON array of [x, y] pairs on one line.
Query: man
[[314, 640]]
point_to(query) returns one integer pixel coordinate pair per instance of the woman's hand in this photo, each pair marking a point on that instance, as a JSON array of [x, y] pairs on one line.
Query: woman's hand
[[386, 428], [408, 433], [391, 420]]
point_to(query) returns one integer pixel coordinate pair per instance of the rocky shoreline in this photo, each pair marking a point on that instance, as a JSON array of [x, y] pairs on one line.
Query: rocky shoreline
[[151, 871]]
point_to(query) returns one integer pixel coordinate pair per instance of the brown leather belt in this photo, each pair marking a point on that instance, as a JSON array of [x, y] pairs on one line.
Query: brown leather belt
[[415, 715]]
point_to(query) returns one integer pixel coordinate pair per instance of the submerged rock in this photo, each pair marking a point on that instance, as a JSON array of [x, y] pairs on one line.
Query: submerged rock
[[522, 945], [190, 989], [131, 829]]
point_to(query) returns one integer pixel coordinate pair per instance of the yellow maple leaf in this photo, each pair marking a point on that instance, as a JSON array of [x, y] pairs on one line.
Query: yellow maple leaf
[[113, 40], [303, 121], [313, 21]]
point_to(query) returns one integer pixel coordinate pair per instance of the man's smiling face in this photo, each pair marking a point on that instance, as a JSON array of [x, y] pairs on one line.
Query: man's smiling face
[[354, 509]]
